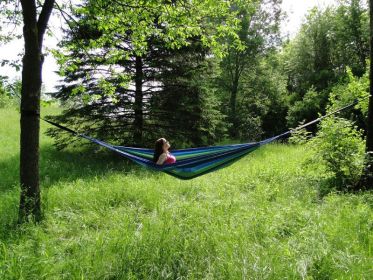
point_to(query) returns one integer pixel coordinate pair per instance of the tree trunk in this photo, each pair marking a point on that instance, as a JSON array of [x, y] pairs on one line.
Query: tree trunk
[[33, 31], [138, 108], [233, 106], [356, 14], [369, 143]]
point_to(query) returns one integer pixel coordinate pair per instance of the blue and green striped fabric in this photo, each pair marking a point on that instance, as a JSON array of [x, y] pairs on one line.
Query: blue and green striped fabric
[[190, 163]]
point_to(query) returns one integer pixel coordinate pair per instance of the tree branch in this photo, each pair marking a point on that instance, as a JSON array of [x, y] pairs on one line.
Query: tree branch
[[43, 20]]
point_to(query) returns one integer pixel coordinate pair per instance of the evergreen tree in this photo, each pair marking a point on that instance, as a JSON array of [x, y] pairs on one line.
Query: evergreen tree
[[104, 88], [186, 108], [115, 93]]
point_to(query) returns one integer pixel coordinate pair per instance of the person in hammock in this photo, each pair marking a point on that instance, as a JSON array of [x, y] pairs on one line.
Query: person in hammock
[[161, 153]]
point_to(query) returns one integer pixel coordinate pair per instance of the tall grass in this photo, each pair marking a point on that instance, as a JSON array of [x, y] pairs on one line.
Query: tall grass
[[105, 218]]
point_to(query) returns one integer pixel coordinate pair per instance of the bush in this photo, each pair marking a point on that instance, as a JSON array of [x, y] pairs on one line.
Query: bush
[[301, 136], [6, 99], [355, 88], [339, 146]]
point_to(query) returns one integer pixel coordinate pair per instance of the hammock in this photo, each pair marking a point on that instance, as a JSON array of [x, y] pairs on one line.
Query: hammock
[[193, 162]]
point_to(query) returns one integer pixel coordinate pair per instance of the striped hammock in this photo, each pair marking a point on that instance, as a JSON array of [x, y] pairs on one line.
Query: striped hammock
[[194, 162], [190, 163]]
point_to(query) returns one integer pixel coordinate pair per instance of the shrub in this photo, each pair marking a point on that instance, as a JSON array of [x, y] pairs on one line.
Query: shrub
[[339, 146], [301, 136], [7, 93], [4, 100]]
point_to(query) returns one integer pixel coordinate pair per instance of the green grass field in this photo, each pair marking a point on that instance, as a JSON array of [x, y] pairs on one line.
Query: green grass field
[[106, 218]]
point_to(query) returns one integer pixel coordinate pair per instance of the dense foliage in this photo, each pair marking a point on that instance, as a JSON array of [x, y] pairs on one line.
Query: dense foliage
[[339, 143], [243, 80], [4, 95], [9, 92], [340, 147], [317, 59], [131, 87]]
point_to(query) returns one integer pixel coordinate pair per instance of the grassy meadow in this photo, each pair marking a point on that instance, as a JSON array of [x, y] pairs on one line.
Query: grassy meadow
[[106, 218]]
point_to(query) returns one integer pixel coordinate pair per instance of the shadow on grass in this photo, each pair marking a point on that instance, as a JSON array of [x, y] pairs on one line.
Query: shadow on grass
[[67, 166], [55, 167]]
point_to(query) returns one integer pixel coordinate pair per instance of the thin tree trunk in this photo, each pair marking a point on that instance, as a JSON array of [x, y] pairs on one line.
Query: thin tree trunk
[[357, 32], [369, 143], [139, 118], [33, 32], [233, 105]]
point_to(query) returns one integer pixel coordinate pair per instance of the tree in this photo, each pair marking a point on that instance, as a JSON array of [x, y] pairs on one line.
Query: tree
[[369, 143], [329, 42], [110, 82], [34, 27], [35, 18], [185, 106], [262, 103], [307, 58], [103, 83], [259, 33], [183, 20], [350, 35]]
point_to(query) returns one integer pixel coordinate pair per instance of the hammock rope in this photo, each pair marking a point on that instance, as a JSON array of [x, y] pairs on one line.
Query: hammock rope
[[194, 162]]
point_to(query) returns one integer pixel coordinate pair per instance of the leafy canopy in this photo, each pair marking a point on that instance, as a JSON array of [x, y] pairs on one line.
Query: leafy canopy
[[213, 21]]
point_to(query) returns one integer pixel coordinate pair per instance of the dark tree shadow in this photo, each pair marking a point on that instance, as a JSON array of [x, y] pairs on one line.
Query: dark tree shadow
[[58, 166], [66, 166]]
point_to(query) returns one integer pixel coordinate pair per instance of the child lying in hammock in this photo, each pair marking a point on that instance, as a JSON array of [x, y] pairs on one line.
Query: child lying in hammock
[[161, 153]]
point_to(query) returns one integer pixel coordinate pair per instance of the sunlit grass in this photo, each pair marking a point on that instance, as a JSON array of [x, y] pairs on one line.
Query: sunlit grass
[[105, 218]]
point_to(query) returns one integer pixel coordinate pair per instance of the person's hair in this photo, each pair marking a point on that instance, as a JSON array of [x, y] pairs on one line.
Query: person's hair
[[158, 149]]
